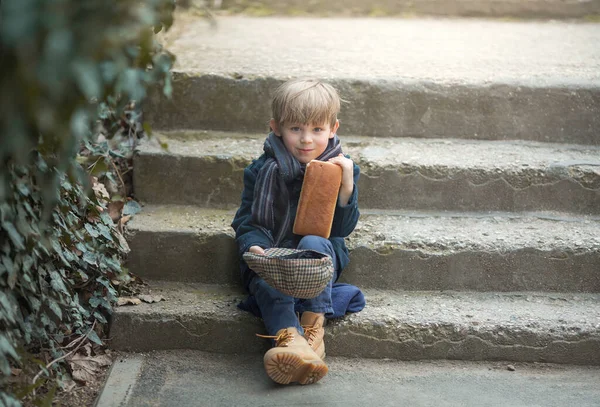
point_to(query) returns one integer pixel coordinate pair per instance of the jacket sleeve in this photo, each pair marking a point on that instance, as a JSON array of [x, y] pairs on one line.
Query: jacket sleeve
[[246, 233], [346, 217]]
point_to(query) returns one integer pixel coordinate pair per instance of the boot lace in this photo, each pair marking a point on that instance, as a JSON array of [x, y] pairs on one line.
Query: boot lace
[[310, 333], [283, 339]]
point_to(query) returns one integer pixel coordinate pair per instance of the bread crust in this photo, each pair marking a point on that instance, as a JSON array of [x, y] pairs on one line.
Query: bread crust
[[318, 199]]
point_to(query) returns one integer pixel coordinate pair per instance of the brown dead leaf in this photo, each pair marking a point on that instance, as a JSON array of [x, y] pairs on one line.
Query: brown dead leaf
[[68, 385], [100, 190], [87, 349], [15, 372], [93, 219], [151, 298], [125, 219], [103, 360], [85, 368], [123, 242], [128, 301], [115, 209]]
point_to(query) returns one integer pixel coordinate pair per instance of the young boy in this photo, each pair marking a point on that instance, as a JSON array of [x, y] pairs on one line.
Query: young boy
[[304, 127]]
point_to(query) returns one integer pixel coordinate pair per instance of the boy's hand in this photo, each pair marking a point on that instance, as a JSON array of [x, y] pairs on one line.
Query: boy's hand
[[347, 177], [256, 250]]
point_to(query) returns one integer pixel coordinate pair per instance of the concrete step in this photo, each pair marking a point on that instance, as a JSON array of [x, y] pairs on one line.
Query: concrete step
[[183, 377], [424, 78], [391, 250], [522, 327], [389, 8], [396, 173]]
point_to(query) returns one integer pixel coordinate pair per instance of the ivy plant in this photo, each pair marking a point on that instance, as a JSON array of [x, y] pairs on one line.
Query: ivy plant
[[73, 76]]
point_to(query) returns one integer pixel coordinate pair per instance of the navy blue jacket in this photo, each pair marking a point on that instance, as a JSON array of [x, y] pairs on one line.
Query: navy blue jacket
[[247, 235]]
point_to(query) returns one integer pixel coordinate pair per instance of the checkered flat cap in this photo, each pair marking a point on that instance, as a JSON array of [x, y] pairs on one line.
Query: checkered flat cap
[[297, 273]]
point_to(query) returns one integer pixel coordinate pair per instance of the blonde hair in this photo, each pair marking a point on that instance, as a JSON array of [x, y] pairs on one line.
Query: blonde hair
[[305, 101]]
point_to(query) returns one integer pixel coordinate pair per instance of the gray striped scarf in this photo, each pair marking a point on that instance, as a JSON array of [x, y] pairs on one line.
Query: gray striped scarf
[[270, 191]]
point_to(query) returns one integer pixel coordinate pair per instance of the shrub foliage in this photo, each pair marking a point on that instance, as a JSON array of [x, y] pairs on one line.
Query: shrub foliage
[[69, 72]]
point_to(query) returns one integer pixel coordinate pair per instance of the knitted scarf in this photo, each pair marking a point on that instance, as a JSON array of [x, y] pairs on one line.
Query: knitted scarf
[[270, 191]]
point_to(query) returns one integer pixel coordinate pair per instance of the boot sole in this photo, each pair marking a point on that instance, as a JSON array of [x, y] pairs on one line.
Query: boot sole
[[288, 367], [320, 351]]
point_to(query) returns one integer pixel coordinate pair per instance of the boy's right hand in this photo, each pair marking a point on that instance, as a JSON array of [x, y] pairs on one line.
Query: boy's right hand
[[256, 250]]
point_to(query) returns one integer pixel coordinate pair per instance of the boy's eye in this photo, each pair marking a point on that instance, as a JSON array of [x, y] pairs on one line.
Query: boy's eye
[[318, 129], [295, 128]]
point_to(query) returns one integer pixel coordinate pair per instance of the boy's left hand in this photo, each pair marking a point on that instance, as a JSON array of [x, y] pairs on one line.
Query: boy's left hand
[[347, 169], [347, 177]]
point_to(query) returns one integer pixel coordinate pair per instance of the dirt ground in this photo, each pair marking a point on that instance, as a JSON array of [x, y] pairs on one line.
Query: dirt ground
[[75, 393], [83, 396]]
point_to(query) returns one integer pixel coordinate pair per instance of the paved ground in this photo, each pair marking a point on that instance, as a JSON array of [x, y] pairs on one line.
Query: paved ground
[[189, 378], [439, 50]]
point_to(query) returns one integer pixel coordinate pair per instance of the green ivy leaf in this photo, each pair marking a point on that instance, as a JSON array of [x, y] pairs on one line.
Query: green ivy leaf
[[59, 251], [23, 189], [12, 271], [44, 319], [93, 336], [111, 263], [88, 78], [81, 247], [28, 262], [131, 208], [29, 209], [100, 317], [82, 274], [91, 230], [7, 348], [105, 232], [90, 258], [35, 303], [94, 302], [14, 235], [57, 283], [54, 307], [6, 306], [106, 219], [80, 123]]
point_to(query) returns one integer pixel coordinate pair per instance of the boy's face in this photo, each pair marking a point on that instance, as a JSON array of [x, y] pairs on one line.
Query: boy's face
[[303, 141]]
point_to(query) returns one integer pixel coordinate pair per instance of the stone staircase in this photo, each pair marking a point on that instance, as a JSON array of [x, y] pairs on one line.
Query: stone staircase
[[586, 9], [479, 147]]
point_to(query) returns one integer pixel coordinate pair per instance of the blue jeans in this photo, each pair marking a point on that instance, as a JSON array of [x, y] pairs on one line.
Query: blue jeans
[[279, 310]]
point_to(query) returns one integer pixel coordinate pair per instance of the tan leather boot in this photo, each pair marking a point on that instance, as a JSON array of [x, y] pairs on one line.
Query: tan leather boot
[[313, 331], [292, 359]]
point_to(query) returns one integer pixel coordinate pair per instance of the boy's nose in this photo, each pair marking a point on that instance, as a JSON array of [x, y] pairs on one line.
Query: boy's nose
[[305, 138]]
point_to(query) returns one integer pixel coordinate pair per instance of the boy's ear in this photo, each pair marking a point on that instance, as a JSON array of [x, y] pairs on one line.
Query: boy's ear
[[335, 128], [274, 127]]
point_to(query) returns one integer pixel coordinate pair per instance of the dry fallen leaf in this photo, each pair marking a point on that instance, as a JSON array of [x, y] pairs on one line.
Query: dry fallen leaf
[[123, 242], [100, 191], [85, 368], [68, 385], [128, 301], [151, 298], [114, 209], [125, 219], [87, 349], [15, 372]]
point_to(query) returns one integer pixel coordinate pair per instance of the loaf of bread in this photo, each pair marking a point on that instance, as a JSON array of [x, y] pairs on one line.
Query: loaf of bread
[[318, 199]]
